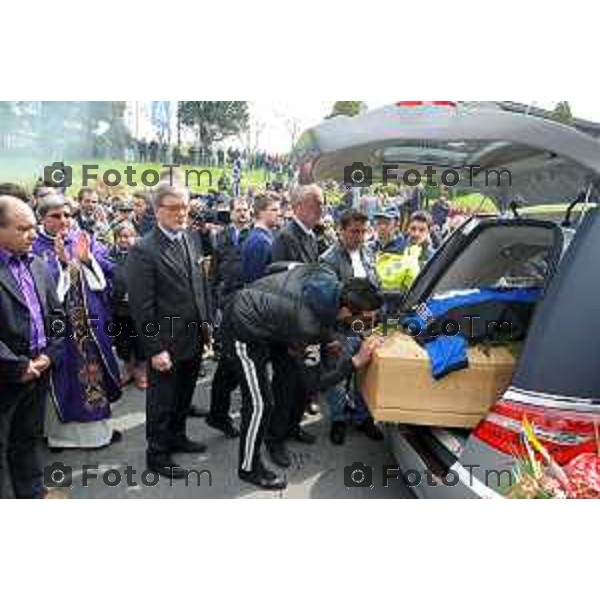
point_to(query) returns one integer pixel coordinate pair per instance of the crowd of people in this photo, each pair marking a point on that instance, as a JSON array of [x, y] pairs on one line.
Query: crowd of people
[[99, 292], [155, 151]]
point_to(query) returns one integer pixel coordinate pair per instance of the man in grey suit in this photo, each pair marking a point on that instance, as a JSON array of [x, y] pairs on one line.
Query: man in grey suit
[[170, 306]]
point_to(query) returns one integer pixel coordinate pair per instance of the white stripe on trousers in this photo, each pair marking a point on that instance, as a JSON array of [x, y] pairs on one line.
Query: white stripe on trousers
[[257, 403]]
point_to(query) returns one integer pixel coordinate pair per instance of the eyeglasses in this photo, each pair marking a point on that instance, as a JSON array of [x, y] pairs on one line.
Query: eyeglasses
[[175, 207]]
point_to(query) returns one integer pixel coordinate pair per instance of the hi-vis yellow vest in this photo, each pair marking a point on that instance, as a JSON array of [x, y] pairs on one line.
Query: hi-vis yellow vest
[[398, 271]]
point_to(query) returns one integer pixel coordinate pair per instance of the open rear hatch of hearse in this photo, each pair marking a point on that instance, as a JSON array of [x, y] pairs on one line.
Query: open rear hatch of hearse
[[548, 163], [485, 253]]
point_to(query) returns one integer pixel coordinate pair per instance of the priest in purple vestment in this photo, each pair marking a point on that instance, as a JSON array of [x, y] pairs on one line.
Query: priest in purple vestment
[[87, 382]]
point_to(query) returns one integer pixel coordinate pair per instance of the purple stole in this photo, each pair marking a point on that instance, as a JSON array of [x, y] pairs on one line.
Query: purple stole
[[87, 381]]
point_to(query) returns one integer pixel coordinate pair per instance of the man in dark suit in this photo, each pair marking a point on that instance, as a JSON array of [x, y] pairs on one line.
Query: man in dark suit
[[31, 322], [296, 242], [170, 306]]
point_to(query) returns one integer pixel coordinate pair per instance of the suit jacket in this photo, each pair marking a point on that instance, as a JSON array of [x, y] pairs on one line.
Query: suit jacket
[[292, 244], [15, 332], [166, 292], [338, 258]]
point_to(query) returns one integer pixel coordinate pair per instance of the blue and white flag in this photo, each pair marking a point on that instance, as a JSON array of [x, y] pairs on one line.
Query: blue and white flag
[[237, 176]]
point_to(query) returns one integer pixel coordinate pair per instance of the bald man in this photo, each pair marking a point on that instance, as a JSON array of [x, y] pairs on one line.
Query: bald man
[[29, 314], [297, 243]]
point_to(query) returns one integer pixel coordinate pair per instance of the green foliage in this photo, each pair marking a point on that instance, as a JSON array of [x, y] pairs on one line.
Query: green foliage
[[349, 108], [562, 113], [214, 121]]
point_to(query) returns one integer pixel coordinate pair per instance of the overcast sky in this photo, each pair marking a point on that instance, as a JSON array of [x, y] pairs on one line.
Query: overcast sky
[[273, 122]]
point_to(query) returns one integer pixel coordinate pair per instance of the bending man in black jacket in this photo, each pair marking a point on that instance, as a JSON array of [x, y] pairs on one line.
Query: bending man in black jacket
[[297, 309]]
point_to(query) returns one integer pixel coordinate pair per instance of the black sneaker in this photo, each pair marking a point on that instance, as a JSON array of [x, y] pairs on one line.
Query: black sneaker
[[263, 479], [270, 475], [337, 434], [371, 430]]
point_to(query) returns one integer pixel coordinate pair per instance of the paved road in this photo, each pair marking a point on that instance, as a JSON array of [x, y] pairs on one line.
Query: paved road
[[317, 471]]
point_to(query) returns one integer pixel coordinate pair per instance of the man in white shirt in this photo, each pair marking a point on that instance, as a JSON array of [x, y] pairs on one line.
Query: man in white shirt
[[350, 259]]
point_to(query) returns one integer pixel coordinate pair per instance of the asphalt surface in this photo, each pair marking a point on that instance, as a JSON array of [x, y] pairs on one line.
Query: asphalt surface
[[317, 471]]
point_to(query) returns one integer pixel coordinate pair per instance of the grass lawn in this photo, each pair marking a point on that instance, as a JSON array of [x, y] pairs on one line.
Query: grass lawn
[[200, 179]]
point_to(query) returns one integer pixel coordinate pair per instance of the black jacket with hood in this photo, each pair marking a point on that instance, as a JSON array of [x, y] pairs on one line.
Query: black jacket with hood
[[296, 307]]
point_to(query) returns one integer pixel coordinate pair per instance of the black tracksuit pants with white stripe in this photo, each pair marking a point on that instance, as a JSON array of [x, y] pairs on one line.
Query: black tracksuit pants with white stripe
[[257, 400]]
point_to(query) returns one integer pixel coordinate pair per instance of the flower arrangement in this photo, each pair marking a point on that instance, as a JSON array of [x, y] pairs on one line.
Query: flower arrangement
[[538, 476]]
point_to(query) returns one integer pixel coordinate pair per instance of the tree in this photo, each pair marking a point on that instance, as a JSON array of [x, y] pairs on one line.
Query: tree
[[350, 108], [562, 113], [214, 121]]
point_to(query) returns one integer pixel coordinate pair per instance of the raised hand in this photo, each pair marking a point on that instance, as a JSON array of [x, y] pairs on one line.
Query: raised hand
[[82, 247], [61, 252]]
